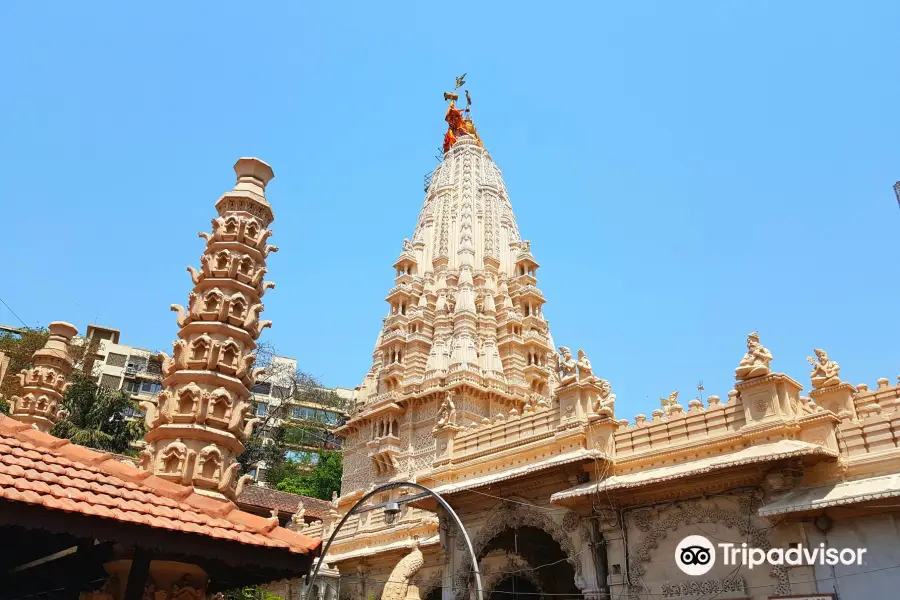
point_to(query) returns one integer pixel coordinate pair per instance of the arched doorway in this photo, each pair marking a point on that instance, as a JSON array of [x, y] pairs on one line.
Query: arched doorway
[[535, 565], [434, 593], [516, 588]]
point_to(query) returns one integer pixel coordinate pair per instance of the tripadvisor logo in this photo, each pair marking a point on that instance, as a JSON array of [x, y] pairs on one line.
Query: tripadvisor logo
[[695, 555]]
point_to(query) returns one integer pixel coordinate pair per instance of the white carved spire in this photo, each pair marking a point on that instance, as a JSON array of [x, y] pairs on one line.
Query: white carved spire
[[464, 323], [200, 421]]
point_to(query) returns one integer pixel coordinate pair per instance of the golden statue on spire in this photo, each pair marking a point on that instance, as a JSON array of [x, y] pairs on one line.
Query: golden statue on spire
[[459, 122], [668, 403]]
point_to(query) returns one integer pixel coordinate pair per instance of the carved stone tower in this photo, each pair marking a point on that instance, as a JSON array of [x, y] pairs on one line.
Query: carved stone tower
[[45, 384], [465, 335], [201, 419]]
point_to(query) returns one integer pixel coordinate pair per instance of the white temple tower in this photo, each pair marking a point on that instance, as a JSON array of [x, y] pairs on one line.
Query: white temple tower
[[465, 331], [197, 427]]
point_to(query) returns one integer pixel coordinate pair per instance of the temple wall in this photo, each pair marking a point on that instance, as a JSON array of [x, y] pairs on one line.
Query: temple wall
[[650, 536], [879, 535]]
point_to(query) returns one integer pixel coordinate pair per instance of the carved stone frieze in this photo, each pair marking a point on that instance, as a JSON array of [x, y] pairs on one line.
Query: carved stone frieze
[[658, 527]]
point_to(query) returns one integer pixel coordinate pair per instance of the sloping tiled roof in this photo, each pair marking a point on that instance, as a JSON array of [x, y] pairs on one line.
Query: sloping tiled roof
[[268, 498], [39, 469]]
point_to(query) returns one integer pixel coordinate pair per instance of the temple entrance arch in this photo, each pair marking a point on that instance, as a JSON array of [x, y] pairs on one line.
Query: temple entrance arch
[[516, 587], [525, 561], [523, 548]]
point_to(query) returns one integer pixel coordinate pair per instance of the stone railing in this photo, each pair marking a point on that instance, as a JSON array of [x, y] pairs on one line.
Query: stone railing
[[679, 427], [876, 426], [512, 430]]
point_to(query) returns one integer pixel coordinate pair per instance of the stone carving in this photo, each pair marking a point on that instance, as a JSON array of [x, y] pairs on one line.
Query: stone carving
[[44, 386], [755, 362], [703, 587], [335, 500], [512, 516], [566, 366], [605, 403], [695, 512], [198, 425], [447, 413], [585, 372], [826, 372], [399, 585], [570, 521]]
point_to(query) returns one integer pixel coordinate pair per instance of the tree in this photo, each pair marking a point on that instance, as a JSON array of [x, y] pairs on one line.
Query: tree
[[276, 441], [323, 479], [97, 417], [20, 347]]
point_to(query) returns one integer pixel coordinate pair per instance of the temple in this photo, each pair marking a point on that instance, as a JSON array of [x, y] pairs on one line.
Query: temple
[[469, 395]]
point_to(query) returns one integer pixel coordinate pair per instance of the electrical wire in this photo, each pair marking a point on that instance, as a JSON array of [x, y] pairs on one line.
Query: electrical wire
[[13, 312]]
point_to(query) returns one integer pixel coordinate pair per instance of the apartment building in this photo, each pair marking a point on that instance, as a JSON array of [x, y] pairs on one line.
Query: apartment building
[[309, 415]]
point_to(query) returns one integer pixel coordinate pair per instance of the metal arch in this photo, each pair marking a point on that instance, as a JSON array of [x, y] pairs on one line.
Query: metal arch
[[391, 486]]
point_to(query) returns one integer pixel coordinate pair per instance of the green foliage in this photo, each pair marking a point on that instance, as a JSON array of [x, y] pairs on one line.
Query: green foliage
[[4, 407], [318, 482], [96, 417], [251, 593], [19, 349]]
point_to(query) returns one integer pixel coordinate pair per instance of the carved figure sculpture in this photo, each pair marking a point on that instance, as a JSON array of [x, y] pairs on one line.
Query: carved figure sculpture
[[399, 585], [566, 366], [826, 372], [585, 372], [335, 500], [755, 362], [605, 403], [446, 413], [297, 520]]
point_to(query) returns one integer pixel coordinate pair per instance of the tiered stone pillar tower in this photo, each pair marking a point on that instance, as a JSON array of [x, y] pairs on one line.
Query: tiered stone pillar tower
[[45, 384], [202, 417]]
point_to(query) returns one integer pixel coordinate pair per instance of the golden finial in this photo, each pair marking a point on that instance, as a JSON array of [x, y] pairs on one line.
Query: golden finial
[[669, 402]]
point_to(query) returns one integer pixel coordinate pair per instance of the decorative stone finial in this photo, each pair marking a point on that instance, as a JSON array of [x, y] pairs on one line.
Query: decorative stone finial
[[200, 420], [46, 383], [755, 362], [253, 170]]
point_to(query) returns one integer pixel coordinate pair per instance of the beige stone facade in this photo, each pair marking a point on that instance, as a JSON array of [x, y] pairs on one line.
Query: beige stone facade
[[469, 396]]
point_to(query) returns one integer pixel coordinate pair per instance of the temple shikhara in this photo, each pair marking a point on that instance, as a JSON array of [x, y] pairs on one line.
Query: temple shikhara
[[469, 395]]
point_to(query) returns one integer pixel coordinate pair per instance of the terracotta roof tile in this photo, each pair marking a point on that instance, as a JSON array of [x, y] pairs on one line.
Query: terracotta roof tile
[[254, 496], [37, 468]]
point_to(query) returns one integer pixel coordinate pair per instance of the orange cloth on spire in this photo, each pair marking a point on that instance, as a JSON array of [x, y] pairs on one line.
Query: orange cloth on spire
[[456, 126]]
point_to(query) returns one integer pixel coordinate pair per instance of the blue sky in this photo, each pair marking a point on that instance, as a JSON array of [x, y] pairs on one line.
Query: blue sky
[[687, 172]]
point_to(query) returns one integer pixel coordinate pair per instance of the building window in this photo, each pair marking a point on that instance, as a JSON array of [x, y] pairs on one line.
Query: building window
[[150, 387], [115, 360], [280, 391], [131, 386], [110, 381], [262, 388], [137, 363], [303, 412], [262, 409]]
